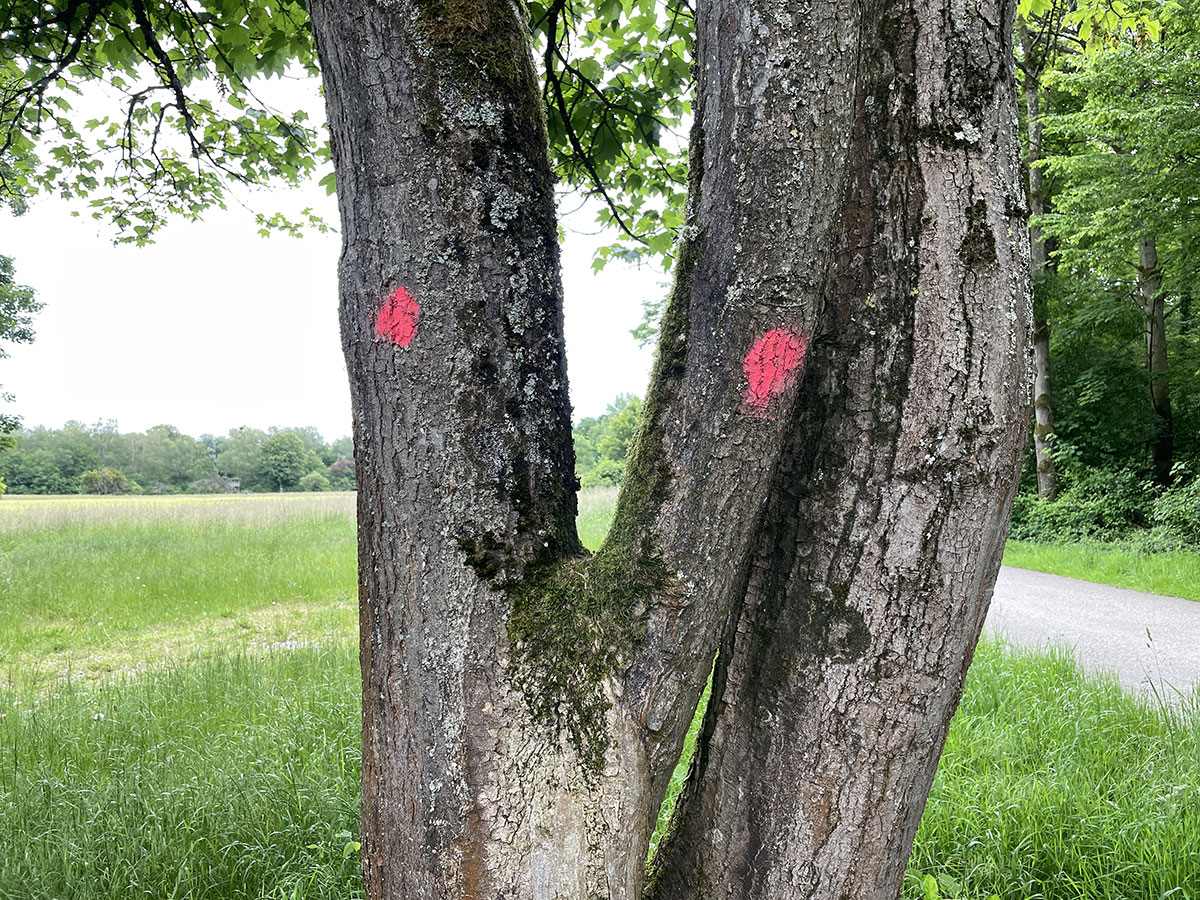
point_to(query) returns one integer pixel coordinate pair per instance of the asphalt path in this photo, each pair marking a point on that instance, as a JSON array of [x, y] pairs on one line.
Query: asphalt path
[[1151, 642]]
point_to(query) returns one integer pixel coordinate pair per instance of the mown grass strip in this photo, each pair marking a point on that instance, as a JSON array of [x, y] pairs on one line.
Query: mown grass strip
[[1173, 573]]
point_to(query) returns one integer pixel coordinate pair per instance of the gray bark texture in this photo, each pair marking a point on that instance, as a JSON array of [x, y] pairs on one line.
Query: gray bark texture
[[819, 488], [1043, 405], [1150, 286], [876, 554]]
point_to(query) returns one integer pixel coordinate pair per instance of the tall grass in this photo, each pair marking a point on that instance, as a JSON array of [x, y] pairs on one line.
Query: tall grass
[[237, 778], [35, 511], [1054, 784], [110, 583], [221, 778], [234, 774]]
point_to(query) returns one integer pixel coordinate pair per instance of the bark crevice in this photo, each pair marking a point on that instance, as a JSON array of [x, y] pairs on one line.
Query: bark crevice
[[823, 453]]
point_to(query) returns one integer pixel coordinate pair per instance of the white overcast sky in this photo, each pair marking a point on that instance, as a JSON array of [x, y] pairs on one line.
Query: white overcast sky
[[215, 327]]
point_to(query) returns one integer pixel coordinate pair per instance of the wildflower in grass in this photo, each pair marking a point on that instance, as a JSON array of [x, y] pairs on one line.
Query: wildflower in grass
[[98, 717]]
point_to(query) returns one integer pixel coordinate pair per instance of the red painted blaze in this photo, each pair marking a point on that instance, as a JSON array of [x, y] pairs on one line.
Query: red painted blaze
[[397, 320], [770, 367]]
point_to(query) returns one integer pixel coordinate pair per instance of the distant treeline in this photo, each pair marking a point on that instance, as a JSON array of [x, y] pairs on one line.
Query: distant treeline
[[98, 459]]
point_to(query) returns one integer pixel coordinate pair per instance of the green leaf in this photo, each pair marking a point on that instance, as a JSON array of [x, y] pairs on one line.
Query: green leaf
[[950, 884], [590, 69]]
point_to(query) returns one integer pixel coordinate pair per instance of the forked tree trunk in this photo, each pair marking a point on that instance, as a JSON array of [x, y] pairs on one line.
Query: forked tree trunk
[[514, 745], [1043, 405], [524, 704], [875, 559], [1162, 444]]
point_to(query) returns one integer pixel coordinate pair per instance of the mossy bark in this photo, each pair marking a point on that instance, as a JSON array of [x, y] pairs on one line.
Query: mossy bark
[[875, 555], [841, 355]]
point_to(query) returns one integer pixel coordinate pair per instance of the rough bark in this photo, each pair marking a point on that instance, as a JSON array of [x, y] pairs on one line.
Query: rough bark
[[876, 556], [524, 704], [1162, 443], [1043, 406], [462, 431]]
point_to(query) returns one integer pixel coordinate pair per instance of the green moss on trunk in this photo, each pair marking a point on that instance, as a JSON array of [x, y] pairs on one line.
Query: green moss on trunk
[[472, 34], [576, 620]]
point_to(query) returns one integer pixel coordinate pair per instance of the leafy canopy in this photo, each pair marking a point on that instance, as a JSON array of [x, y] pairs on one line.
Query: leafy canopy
[[149, 110], [17, 307], [1122, 162], [174, 90]]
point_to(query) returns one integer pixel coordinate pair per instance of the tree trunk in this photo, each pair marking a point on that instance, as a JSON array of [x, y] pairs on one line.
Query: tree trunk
[[1150, 285], [1043, 428], [875, 559], [452, 331], [524, 704]]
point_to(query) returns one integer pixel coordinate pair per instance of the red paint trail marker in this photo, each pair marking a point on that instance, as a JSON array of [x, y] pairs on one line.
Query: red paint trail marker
[[771, 366], [397, 320]]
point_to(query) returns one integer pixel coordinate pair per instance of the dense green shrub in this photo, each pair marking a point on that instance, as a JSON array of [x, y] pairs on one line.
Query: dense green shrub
[[341, 475], [1107, 505], [106, 481], [1114, 505], [1177, 511], [314, 481]]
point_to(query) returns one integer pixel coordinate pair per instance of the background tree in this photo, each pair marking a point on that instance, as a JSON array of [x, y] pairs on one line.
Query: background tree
[[167, 460], [1040, 28], [18, 304], [284, 460], [1124, 217], [602, 443], [341, 475], [105, 481], [240, 455], [161, 460], [35, 470]]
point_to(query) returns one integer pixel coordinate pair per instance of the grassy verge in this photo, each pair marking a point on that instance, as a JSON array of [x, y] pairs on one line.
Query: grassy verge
[[1054, 784], [1175, 573], [221, 778]]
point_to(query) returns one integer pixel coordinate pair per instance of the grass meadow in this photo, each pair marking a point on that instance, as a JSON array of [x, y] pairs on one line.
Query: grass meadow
[[106, 585], [179, 718]]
